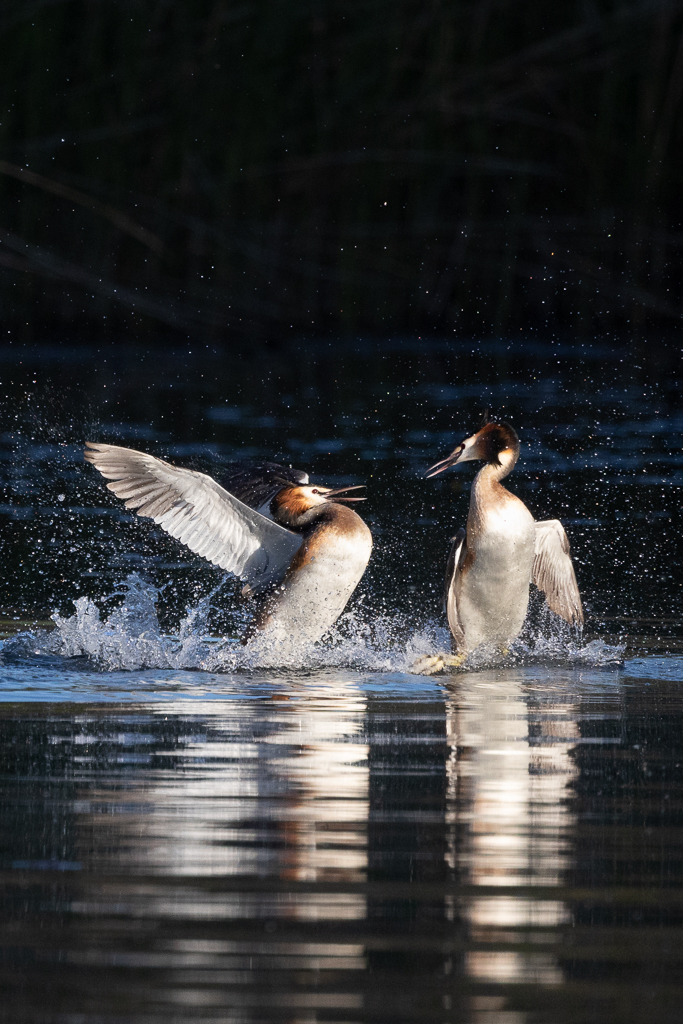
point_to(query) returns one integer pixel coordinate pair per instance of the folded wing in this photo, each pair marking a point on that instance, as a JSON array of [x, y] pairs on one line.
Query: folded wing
[[553, 572], [198, 512], [456, 557]]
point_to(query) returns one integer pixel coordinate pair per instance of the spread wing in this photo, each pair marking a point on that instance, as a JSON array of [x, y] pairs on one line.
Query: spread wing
[[257, 483], [553, 572], [198, 512], [456, 557]]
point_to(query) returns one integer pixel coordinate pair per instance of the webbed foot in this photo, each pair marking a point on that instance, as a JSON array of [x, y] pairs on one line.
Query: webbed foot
[[433, 664]]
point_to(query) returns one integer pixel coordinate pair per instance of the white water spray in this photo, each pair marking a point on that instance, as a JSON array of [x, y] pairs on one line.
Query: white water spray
[[130, 638]]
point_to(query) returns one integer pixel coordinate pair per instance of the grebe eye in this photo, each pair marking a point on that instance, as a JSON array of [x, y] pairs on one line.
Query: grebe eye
[[315, 490]]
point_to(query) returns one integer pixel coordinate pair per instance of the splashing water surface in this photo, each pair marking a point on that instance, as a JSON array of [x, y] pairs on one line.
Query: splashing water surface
[[196, 830], [130, 638]]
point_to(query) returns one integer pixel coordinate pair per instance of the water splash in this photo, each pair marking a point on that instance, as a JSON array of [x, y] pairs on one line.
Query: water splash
[[548, 639], [130, 638]]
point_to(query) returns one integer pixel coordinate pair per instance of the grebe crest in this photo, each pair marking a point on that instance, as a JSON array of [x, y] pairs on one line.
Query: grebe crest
[[497, 444]]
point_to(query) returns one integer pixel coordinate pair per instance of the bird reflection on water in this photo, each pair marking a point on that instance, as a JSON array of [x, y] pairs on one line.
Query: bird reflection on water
[[338, 847], [249, 798], [513, 775]]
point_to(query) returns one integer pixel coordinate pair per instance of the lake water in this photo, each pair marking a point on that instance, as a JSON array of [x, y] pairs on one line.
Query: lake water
[[193, 836]]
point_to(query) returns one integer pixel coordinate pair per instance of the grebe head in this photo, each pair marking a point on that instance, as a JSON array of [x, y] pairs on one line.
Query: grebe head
[[495, 443], [296, 507]]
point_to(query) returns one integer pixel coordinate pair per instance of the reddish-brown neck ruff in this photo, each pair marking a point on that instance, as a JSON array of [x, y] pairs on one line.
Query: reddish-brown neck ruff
[[304, 509], [291, 506]]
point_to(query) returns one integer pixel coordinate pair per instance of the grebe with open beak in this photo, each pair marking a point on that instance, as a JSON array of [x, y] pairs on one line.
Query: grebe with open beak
[[300, 552], [501, 551]]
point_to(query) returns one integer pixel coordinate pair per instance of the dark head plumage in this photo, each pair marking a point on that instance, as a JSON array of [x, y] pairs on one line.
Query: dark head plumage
[[494, 438], [486, 445]]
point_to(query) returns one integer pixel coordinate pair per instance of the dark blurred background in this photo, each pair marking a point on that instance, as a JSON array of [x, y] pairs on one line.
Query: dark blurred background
[[330, 233], [231, 169]]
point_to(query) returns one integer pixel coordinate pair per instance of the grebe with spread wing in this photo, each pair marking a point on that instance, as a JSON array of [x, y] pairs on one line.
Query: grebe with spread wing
[[299, 550]]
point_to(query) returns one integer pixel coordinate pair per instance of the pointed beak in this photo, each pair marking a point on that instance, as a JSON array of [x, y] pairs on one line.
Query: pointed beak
[[338, 494], [451, 460]]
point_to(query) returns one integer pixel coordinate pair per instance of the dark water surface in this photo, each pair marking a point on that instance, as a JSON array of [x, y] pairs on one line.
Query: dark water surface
[[503, 847], [187, 835]]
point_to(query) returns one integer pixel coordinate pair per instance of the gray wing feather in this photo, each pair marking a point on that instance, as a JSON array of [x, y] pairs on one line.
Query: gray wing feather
[[553, 572], [198, 512]]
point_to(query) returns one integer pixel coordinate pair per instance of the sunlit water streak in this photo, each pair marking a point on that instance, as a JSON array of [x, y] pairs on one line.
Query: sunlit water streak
[[341, 846]]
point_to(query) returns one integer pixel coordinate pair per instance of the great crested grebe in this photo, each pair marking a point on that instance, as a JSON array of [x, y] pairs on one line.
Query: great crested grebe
[[300, 553], [501, 551]]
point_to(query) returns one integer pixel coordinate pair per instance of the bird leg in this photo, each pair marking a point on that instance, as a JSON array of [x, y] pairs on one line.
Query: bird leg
[[432, 664]]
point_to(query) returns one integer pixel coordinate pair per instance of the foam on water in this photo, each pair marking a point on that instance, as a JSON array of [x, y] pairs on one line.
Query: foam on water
[[130, 638]]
